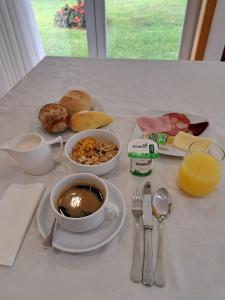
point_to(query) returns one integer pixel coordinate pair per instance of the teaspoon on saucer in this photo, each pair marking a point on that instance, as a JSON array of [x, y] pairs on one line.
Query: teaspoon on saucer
[[47, 242], [161, 204]]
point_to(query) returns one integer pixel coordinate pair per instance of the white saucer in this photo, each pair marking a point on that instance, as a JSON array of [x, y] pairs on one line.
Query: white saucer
[[36, 125], [90, 240]]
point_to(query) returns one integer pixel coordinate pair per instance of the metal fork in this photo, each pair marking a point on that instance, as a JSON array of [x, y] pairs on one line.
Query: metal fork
[[137, 211]]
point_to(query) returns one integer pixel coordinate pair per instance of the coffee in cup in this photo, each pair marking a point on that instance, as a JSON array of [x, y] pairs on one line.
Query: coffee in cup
[[80, 200]]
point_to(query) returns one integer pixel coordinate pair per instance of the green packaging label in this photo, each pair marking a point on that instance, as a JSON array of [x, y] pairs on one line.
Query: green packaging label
[[142, 152]]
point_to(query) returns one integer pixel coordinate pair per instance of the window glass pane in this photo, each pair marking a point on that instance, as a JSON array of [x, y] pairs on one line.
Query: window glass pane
[[148, 29], [62, 27]]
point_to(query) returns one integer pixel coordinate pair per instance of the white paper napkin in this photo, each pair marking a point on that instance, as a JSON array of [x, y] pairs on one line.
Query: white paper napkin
[[17, 206]]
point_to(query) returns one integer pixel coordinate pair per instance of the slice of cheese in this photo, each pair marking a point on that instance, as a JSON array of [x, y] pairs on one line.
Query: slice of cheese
[[183, 141]]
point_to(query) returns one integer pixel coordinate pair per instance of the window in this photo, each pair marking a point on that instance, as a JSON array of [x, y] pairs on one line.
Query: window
[[147, 29], [60, 31]]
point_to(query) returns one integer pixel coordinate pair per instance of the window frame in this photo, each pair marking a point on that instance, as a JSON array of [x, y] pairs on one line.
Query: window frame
[[96, 28]]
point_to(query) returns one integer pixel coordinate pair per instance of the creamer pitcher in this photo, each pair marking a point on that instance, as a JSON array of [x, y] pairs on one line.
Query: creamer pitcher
[[32, 152]]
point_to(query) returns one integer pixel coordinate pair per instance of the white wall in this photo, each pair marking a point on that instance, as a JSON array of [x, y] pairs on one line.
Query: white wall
[[216, 40]]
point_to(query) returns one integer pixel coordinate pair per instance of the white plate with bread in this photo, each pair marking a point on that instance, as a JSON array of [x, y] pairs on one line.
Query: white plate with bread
[[74, 112]]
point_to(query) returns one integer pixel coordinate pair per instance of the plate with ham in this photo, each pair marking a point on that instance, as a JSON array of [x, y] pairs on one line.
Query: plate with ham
[[171, 123]]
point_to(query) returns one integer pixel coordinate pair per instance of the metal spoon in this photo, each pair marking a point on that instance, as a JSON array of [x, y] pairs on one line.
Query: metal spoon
[[161, 204], [47, 242]]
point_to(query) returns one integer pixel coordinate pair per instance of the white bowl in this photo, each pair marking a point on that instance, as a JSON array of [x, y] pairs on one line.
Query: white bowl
[[100, 135]]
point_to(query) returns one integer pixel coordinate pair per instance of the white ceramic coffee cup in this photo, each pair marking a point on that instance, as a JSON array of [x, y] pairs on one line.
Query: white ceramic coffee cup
[[86, 223]]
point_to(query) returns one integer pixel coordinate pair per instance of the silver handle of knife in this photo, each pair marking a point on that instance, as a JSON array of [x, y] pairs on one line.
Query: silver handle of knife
[[148, 270]]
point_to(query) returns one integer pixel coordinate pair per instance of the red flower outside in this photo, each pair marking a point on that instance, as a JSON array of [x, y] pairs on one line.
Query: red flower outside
[[71, 16], [77, 19]]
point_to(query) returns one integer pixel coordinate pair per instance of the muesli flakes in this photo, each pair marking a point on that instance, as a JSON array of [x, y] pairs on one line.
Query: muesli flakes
[[89, 151]]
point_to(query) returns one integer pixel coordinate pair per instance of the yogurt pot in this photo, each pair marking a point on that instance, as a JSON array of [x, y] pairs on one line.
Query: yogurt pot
[[142, 152]]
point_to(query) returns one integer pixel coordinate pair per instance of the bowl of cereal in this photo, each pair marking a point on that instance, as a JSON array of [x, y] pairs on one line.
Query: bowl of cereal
[[93, 151]]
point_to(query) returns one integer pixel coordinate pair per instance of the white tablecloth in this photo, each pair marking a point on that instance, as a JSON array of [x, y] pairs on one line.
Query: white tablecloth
[[194, 233]]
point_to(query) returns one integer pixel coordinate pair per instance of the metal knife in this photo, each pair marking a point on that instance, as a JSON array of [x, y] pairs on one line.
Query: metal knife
[[148, 270]]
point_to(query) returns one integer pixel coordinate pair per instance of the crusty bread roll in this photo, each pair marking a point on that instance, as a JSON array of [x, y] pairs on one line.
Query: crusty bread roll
[[88, 120], [75, 101], [54, 117]]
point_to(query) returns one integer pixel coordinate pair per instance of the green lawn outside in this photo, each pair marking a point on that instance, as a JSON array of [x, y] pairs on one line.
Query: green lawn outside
[[148, 29]]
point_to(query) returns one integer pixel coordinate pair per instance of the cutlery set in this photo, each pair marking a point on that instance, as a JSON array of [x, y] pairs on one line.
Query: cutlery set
[[143, 206]]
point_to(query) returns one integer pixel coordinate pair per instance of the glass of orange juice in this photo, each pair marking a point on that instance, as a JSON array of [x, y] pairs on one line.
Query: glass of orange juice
[[200, 170]]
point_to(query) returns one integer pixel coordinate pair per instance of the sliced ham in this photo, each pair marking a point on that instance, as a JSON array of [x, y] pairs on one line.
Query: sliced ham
[[179, 122], [154, 125]]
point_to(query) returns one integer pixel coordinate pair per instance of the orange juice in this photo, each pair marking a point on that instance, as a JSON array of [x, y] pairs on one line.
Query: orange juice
[[199, 174]]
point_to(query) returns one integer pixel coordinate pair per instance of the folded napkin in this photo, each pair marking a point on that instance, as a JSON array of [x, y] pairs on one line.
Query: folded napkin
[[17, 206]]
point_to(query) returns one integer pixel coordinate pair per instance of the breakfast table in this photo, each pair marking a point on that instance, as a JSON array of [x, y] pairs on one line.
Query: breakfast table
[[194, 232]]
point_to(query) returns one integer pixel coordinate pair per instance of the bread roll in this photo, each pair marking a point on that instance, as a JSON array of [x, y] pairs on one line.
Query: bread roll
[[75, 101], [88, 120], [54, 117]]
